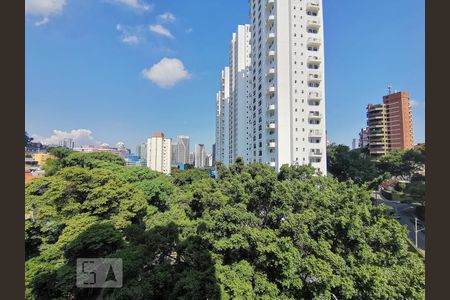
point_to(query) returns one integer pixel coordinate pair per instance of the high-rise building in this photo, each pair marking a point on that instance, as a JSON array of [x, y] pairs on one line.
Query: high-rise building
[[200, 156], [279, 118], [223, 118], [363, 141], [355, 144], [399, 121], [240, 88], [159, 152], [213, 158], [377, 130], [174, 150], [141, 151], [68, 143], [390, 124], [182, 151], [191, 158]]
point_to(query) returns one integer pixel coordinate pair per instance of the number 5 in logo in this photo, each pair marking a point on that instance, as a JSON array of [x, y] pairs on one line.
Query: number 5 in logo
[[87, 270]]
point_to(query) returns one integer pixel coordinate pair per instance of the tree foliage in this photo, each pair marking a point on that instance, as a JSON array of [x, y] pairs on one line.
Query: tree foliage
[[251, 234]]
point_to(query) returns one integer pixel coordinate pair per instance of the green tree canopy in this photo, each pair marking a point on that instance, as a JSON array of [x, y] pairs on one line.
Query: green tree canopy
[[250, 234]]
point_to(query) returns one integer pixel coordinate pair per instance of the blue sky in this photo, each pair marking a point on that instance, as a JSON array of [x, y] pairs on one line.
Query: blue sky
[[88, 65]]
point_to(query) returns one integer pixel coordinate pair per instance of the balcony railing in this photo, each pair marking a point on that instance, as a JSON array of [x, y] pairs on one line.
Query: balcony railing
[[270, 37], [271, 72], [314, 41], [315, 133], [313, 5], [271, 90], [271, 53], [270, 20], [314, 59], [271, 107], [314, 96], [315, 153], [313, 24], [271, 125], [270, 4], [315, 76], [315, 115], [272, 145]]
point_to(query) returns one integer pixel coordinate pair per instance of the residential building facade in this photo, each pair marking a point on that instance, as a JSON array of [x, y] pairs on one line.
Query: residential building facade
[[240, 87], [282, 114], [200, 156], [223, 118], [399, 121], [182, 151], [390, 124], [363, 138], [159, 152]]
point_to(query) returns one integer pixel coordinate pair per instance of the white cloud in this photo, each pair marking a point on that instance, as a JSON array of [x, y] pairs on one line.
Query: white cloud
[[136, 4], [167, 73], [159, 29], [167, 17], [189, 30], [44, 9], [79, 136], [41, 22], [130, 35], [131, 39]]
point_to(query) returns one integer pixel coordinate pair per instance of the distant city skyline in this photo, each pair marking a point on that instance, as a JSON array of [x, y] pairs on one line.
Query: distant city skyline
[[95, 71]]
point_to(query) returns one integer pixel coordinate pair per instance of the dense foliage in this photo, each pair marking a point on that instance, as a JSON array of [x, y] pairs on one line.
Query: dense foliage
[[357, 165], [250, 234]]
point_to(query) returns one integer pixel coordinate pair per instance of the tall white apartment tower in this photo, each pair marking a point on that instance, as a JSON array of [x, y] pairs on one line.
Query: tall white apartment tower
[[240, 86], [223, 118], [200, 156], [159, 152], [288, 87]]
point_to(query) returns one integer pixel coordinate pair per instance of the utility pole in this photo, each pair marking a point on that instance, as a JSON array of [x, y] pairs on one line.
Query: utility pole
[[417, 230]]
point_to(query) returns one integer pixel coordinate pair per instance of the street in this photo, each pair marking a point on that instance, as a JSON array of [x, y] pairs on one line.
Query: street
[[405, 214]]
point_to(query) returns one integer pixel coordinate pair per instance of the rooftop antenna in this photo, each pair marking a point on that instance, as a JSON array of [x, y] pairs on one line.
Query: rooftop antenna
[[389, 89]]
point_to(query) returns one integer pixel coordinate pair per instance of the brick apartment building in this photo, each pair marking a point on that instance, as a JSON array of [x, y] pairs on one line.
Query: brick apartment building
[[390, 124]]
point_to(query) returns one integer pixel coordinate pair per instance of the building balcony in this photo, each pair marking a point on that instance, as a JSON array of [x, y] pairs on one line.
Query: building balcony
[[270, 37], [315, 153], [314, 24], [270, 20], [312, 5], [271, 72], [315, 96], [375, 117], [272, 145], [273, 164], [315, 76], [314, 59], [271, 90], [314, 41], [315, 115], [271, 125], [270, 4], [315, 133], [271, 107], [271, 54]]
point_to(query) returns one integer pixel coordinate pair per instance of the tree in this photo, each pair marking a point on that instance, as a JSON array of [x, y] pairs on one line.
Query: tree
[[252, 233], [346, 164]]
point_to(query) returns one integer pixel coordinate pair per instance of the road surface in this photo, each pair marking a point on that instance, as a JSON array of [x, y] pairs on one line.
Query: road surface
[[405, 214]]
